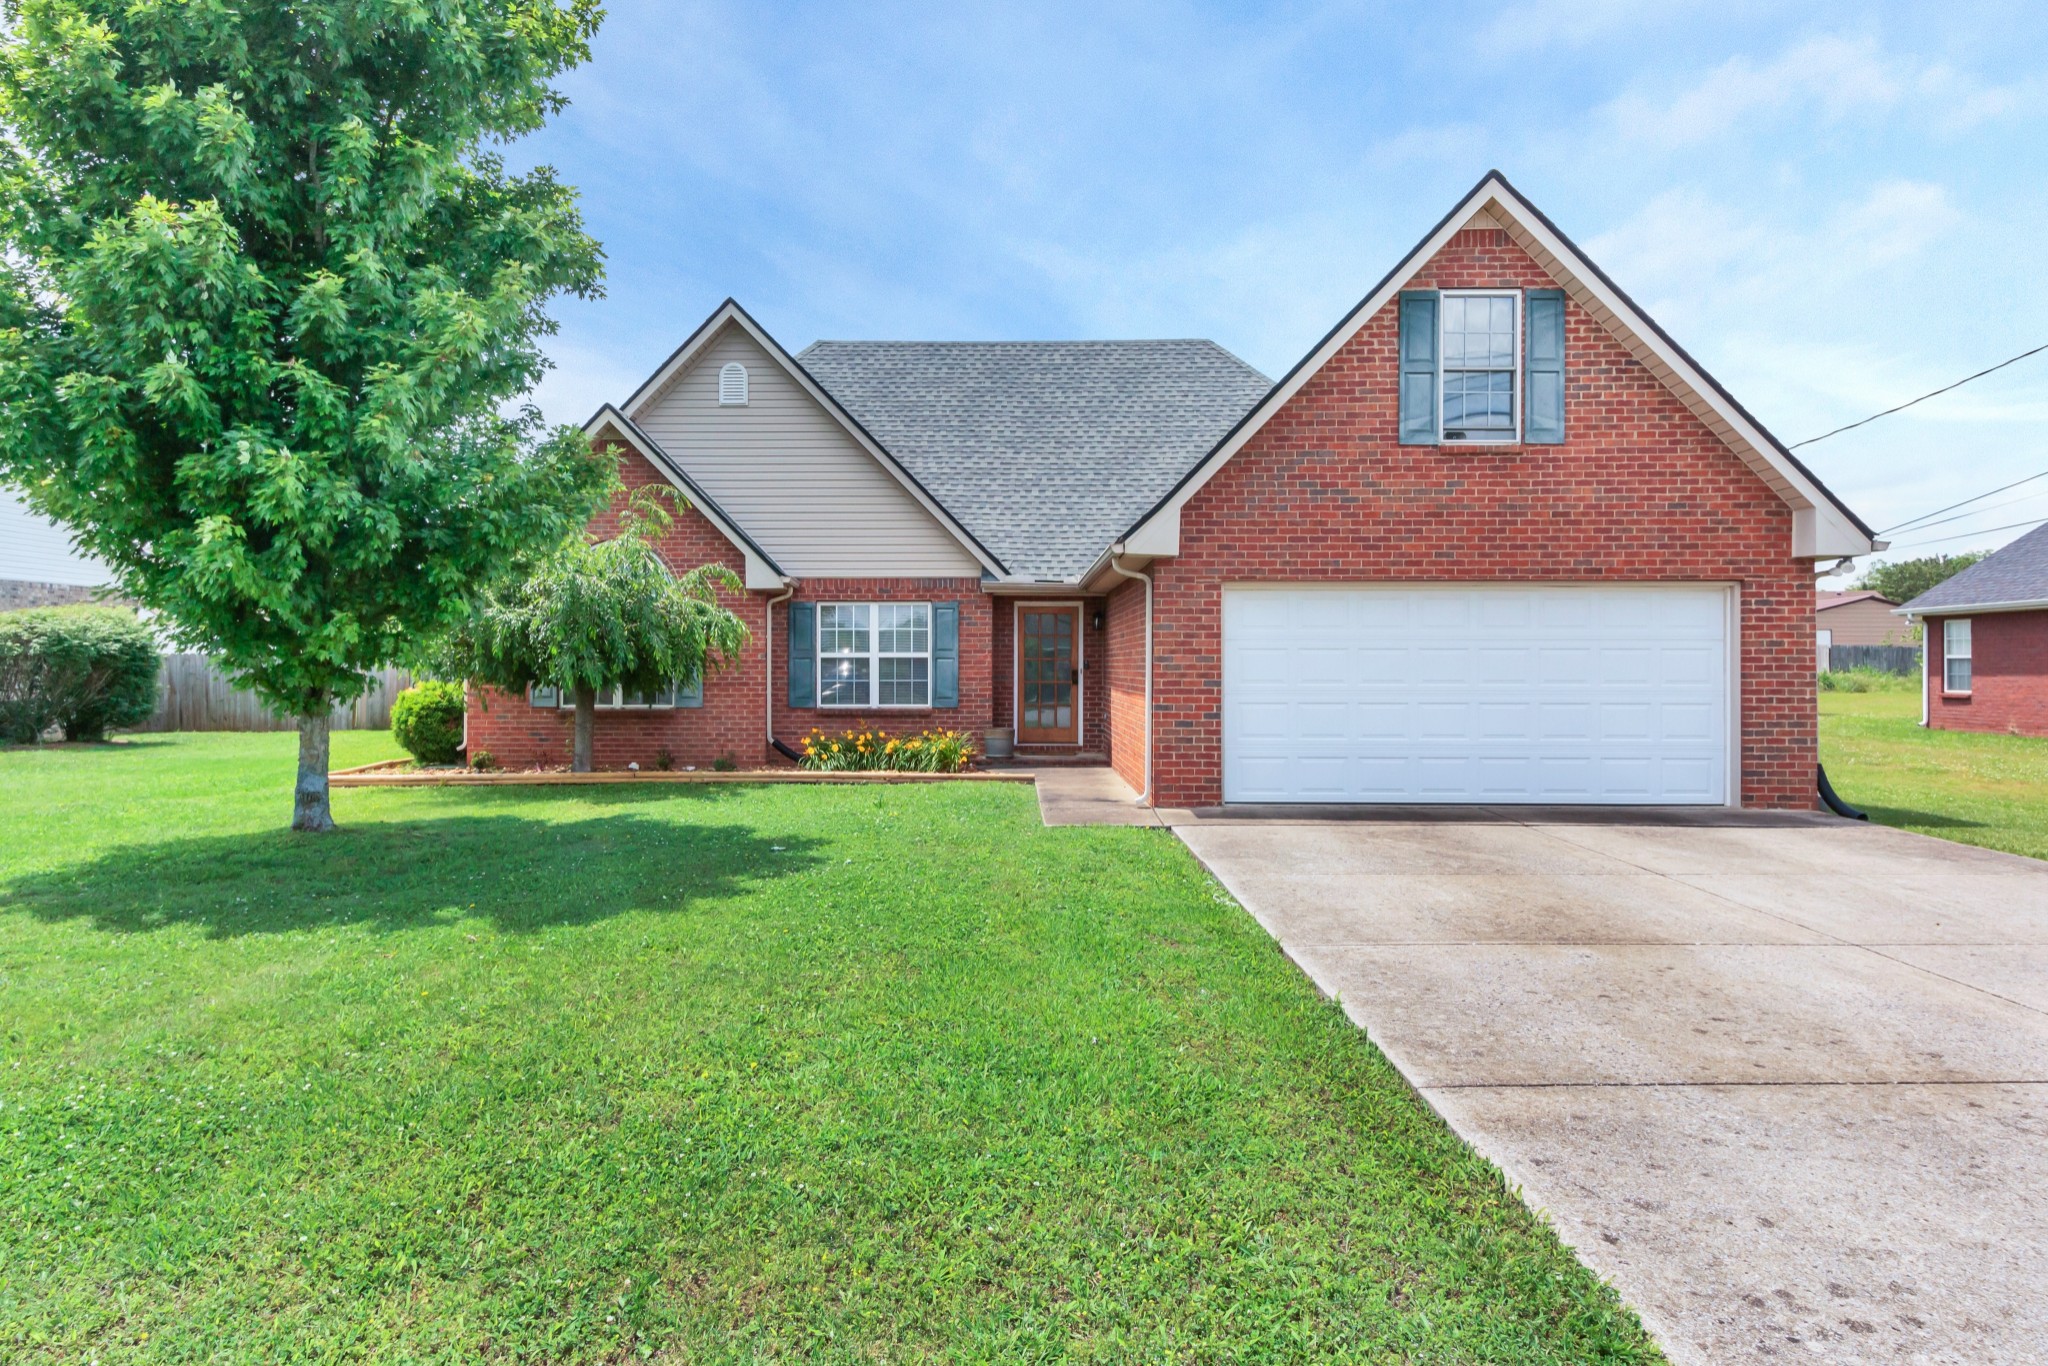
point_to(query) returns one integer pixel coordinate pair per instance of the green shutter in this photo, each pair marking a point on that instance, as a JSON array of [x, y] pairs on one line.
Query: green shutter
[[803, 654], [945, 654], [1419, 411], [1543, 380]]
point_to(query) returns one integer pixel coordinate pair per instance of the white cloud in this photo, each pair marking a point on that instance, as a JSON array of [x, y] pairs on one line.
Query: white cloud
[[1832, 76]]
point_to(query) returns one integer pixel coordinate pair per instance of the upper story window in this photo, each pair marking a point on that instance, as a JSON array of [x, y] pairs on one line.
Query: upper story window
[[732, 385], [1479, 367], [1955, 655], [874, 654]]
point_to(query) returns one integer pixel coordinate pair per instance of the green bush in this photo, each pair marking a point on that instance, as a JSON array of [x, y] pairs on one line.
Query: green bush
[[86, 669], [1867, 680], [426, 720]]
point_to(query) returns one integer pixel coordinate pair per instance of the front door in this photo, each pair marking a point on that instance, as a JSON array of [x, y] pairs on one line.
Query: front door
[[1048, 675]]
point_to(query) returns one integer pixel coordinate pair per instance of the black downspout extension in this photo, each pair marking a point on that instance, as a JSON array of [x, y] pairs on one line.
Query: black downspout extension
[[1827, 794], [786, 752]]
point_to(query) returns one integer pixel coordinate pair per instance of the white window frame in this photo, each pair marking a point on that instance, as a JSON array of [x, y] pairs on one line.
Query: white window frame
[[1513, 435], [613, 698], [874, 655], [1950, 656]]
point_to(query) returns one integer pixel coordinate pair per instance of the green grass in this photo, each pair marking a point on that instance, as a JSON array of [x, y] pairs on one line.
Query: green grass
[[1980, 789], [697, 1074]]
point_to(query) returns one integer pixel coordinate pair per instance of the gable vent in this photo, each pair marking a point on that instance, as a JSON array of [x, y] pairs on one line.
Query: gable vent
[[732, 384]]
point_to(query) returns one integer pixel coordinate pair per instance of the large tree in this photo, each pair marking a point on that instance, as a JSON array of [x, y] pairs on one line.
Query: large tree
[[600, 613], [1904, 580], [269, 298]]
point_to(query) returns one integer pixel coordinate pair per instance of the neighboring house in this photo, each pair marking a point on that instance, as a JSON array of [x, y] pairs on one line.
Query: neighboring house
[[1987, 642], [1497, 538], [1857, 618], [38, 567]]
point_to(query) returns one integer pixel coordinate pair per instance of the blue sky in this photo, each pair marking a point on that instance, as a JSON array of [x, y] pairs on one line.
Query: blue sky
[[1835, 207]]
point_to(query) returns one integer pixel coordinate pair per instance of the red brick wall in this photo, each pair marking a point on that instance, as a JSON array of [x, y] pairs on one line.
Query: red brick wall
[[2008, 676], [1641, 490], [729, 722], [1124, 656], [976, 622]]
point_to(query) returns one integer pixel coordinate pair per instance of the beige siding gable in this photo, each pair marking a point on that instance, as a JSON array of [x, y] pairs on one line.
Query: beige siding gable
[[786, 470]]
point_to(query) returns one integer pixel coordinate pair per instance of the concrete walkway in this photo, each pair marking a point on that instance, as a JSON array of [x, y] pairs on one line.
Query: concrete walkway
[[1783, 1080], [1076, 795]]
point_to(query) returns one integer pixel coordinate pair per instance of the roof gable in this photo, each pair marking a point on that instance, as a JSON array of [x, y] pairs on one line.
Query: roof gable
[[1822, 527], [1046, 450], [729, 315], [762, 571]]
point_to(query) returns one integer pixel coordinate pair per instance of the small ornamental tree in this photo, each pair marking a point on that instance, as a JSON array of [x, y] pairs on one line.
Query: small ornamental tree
[[266, 300], [601, 613]]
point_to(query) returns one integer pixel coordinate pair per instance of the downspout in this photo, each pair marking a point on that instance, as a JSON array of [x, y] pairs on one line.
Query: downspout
[[768, 629], [1145, 797]]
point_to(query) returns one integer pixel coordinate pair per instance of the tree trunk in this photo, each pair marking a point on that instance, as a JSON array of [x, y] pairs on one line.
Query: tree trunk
[[309, 800], [586, 722]]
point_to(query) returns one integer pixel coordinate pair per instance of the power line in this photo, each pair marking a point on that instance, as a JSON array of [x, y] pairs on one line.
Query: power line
[[1922, 399], [1975, 512], [1966, 535], [1912, 521]]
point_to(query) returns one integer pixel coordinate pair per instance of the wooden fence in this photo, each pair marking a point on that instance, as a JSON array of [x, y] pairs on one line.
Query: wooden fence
[[194, 695], [1891, 659]]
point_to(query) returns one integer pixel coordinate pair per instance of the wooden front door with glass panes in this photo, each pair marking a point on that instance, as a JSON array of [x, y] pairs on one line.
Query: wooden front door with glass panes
[[1048, 675]]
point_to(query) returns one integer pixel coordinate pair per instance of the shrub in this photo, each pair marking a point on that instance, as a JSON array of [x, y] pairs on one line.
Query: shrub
[[87, 669], [483, 761], [1867, 680], [725, 763], [863, 751], [427, 720]]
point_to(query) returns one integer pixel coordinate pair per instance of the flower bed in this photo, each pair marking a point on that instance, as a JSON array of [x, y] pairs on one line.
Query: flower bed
[[876, 751]]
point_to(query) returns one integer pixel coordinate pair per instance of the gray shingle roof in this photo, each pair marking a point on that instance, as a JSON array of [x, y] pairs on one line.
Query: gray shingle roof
[[1046, 451], [2018, 573]]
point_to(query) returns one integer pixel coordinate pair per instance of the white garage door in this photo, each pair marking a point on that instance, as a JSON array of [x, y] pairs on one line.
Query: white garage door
[[1476, 694]]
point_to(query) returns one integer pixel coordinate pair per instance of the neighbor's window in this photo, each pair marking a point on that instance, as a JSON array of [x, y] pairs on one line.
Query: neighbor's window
[[732, 384], [1955, 655], [1479, 334], [875, 654]]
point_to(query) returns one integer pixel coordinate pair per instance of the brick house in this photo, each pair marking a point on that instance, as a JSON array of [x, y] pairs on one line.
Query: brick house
[[1987, 643], [1496, 538]]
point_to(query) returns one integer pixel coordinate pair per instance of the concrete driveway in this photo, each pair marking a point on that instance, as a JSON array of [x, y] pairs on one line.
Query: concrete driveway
[[1782, 1079]]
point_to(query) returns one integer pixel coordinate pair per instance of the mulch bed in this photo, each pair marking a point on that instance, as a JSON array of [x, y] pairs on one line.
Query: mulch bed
[[401, 773]]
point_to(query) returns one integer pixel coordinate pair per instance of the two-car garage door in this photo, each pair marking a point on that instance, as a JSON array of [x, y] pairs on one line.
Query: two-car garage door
[[1476, 693]]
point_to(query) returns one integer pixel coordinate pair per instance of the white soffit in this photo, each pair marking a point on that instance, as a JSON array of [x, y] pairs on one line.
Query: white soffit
[[730, 312], [1821, 528]]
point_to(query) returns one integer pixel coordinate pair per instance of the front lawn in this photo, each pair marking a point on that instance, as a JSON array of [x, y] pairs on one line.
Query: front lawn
[[716, 1073], [1981, 789]]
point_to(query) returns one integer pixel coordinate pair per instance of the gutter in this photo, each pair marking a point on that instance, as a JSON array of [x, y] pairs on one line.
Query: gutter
[[1145, 797], [1968, 609]]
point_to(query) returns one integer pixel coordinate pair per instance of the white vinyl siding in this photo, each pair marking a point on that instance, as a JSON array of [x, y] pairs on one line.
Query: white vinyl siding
[[36, 550], [1482, 694], [788, 472]]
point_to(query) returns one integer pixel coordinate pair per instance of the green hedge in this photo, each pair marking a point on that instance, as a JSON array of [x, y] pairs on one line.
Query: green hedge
[[426, 720], [87, 669]]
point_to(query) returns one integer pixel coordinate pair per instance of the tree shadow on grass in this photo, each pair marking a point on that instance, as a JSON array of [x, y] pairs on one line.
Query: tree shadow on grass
[[1930, 820], [519, 872]]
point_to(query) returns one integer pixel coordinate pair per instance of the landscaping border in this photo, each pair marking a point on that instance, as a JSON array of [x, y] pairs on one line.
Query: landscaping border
[[394, 773]]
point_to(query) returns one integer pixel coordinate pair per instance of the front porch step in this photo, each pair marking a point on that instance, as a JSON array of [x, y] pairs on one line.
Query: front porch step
[[1052, 758]]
